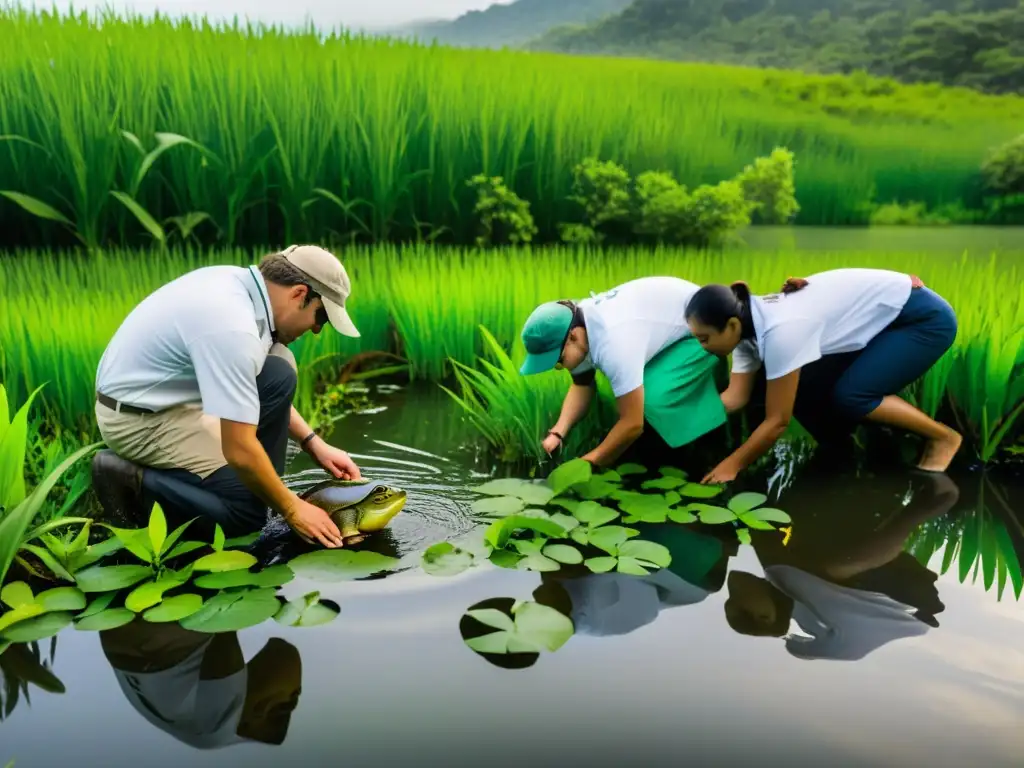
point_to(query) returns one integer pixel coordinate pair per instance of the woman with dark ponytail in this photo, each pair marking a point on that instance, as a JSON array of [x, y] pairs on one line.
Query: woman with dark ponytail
[[889, 324]]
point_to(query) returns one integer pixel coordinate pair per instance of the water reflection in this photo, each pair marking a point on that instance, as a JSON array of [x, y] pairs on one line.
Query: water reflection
[[198, 687], [844, 579]]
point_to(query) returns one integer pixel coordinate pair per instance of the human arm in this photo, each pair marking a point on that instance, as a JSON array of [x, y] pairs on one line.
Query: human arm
[[624, 433], [331, 458], [574, 407], [779, 400], [737, 394]]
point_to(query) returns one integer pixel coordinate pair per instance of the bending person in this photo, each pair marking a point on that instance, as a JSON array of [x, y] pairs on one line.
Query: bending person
[[197, 384], [636, 334], [897, 326]]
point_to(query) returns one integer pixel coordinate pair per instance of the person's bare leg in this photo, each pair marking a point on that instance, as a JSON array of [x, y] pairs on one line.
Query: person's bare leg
[[942, 442]]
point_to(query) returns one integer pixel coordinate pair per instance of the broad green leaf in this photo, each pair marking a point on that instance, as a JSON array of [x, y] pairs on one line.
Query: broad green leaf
[[174, 609], [169, 550], [594, 514], [307, 611], [751, 521], [535, 512], [673, 472], [672, 497], [601, 564], [563, 553], [157, 528], [580, 535], [233, 611], [505, 486], [664, 483], [49, 561], [95, 552], [107, 578], [698, 491], [497, 506], [744, 502], [136, 541], [535, 493], [21, 613], [714, 515], [567, 522], [149, 594], [184, 548], [649, 551], [542, 624], [652, 509], [681, 515], [16, 594], [527, 491], [505, 558], [104, 620], [274, 576], [609, 538], [61, 599], [610, 476], [500, 531], [39, 627], [632, 566], [141, 214], [36, 206], [445, 559], [569, 504], [218, 539], [570, 474], [631, 469], [535, 561], [227, 560], [98, 605], [595, 489], [329, 565], [495, 642], [492, 617], [770, 514], [242, 541]]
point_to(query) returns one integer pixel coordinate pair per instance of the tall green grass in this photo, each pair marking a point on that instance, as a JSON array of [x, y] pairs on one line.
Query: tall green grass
[[427, 305], [125, 130]]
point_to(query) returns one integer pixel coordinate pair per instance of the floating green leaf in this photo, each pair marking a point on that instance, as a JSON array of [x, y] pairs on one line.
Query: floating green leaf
[[505, 558], [274, 576], [527, 491], [769, 514], [673, 472], [152, 592], [744, 502], [174, 608], [533, 558], [631, 469], [664, 483], [650, 552], [445, 559], [23, 612], [108, 578], [594, 514], [98, 605], [595, 488], [497, 506], [646, 508], [713, 515], [61, 599], [105, 620], [563, 553], [16, 594], [566, 522], [532, 628], [330, 565], [39, 627], [698, 491], [681, 515], [233, 611], [601, 564], [570, 474], [500, 531], [226, 560], [610, 476], [569, 504], [307, 611], [242, 541], [610, 537]]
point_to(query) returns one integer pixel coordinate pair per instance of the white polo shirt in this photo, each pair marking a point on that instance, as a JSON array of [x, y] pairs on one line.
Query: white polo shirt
[[630, 324], [202, 338], [837, 311]]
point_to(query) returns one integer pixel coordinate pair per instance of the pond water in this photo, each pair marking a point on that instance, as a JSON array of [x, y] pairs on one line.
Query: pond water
[[887, 660]]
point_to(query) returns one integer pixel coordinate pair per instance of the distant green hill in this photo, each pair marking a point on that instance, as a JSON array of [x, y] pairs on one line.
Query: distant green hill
[[973, 43], [512, 24]]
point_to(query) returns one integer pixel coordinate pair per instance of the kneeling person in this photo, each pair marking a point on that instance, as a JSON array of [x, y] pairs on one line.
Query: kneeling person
[[198, 383], [636, 335]]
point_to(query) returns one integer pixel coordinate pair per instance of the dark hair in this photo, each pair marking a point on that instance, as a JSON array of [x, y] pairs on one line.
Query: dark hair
[[716, 304], [276, 269]]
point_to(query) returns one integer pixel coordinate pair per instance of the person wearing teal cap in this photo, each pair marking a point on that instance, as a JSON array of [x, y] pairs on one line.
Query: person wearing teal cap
[[636, 334]]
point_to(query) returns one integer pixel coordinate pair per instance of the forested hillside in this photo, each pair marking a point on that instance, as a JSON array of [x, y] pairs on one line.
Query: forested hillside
[[974, 43]]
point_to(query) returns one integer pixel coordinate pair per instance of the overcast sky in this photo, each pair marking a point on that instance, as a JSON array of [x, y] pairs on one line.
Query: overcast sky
[[325, 13]]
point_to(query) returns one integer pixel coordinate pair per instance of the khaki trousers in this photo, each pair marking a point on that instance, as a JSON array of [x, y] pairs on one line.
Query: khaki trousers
[[182, 437]]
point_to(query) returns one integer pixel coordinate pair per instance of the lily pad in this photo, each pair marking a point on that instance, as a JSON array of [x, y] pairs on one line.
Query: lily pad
[[713, 515], [601, 564], [533, 558], [595, 489], [563, 553], [610, 476], [445, 559], [528, 491], [647, 509], [152, 592], [681, 515], [663, 483], [631, 469], [110, 578], [610, 537], [698, 491], [505, 558], [565, 503], [307, 611], [744, 502], [39, 627], [330, 565], [23, 612], [174, 609], [61, 599], [498, 506], [225, 560], [646, 552], [594, 514], [500, 531], [567, 522], [274, 576], [532, 627], [673, 472], [233, 611], [568, 475], [105, 620]]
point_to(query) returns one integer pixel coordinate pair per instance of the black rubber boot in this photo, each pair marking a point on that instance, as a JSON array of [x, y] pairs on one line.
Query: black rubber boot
[[118, 486]]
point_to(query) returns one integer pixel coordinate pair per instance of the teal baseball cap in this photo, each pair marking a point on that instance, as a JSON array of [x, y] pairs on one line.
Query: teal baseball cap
[[543, 336]]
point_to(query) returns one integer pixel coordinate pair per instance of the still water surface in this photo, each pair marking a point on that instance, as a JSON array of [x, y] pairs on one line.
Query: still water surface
[[885, 661]]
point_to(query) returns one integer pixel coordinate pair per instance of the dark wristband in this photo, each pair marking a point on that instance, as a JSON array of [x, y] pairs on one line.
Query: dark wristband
[[306, 439], [556, 434]]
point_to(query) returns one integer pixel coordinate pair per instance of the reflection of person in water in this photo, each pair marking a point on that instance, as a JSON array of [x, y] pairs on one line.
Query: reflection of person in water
[[198, 688], [602, 604], [843, 577]]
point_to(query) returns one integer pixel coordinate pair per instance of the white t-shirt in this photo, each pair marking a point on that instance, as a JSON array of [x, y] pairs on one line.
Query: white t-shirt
[[837, 311], [630, 324], [202, 338]]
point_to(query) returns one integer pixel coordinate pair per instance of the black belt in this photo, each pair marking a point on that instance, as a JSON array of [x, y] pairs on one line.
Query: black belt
[[114, 405]]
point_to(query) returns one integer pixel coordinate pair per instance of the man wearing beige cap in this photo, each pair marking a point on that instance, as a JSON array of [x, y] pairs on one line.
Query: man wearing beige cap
[[194, 395]]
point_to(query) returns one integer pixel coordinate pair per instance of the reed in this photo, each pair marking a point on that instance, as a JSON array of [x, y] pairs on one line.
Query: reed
[[427, 304], [122, 130]]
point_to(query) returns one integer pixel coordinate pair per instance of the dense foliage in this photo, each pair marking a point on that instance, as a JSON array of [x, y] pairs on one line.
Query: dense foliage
[[132, 132], [973, 43]]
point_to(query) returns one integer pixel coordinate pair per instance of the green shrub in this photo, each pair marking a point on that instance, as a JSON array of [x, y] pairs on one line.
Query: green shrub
[[504, 217], [1003, 169], [769, 185]]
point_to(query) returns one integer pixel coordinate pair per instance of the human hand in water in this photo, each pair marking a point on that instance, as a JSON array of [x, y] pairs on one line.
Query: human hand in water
[[336, 461], [725, 472]]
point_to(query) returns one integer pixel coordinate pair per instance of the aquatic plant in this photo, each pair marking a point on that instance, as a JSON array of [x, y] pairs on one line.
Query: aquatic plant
[[305, 140]]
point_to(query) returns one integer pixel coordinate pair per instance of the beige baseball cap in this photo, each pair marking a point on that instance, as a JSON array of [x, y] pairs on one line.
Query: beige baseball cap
[[328, 278]]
